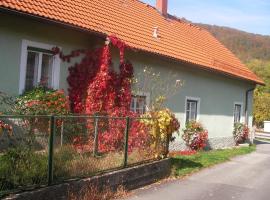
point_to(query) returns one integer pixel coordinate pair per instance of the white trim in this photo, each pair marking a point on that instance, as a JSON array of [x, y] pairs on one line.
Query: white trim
[[242, 110], [55, 68], [198, 99]]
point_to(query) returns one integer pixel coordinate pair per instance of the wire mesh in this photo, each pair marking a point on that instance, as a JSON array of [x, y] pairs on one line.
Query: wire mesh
[[144, 143], [23, 152], [85, 146], [41, 150]]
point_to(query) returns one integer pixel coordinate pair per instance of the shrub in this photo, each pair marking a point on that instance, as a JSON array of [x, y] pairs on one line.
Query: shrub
[[240, 133], [195, 136], [22, 167], [5, 127], [163, 124], [42, 101]]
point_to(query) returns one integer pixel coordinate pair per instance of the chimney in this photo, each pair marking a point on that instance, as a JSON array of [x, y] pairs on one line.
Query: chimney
[[162, 6]]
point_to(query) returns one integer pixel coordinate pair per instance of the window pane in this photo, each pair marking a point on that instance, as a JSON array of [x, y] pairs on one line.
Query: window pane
[[138, 104], [237, 113], [191, 112], [46, 70], [31, 70], [188, 105], [192, 115]]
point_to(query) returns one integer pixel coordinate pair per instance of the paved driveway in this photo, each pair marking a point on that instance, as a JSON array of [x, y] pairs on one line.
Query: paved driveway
[[246, 178]]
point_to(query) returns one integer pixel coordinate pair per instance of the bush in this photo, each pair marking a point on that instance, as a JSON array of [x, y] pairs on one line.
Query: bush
[[22, 167], [5, 127], [163, 124], [240, 133], [42, 101], [195, 136]]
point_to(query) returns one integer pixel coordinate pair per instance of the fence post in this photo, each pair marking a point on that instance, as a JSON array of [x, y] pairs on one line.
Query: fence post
[[62, 133], [126, 142], [51, 146], [96, 137]]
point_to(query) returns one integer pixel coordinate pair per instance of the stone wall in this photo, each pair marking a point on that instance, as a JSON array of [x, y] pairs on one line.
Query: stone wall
[[130, 178], [213, 143]]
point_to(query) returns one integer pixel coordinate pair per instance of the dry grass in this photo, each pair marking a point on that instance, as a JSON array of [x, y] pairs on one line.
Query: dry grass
[[85, 165], [139, 155], [92, 193], [69, 163]]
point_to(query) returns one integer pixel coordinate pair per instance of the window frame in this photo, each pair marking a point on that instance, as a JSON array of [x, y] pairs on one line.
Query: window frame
[[23, 64], [146, 94], [241, 112], [188, 98]]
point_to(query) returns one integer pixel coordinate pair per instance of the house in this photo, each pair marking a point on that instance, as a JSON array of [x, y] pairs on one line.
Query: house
[[218, 87]]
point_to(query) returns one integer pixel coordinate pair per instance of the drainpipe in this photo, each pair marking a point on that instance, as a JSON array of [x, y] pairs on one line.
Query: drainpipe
[[246, 104]]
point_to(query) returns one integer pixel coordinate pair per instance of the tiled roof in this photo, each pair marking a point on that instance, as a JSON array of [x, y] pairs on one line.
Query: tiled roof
[[134, 22]]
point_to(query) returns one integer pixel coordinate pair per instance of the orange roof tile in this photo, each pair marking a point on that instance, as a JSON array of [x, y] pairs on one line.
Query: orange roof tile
[[134, 22]]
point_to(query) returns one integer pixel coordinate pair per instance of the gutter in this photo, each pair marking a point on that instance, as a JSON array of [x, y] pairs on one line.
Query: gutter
[[246, 104]]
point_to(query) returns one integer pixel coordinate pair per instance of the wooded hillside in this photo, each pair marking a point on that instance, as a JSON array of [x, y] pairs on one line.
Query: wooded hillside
[[246, 46]]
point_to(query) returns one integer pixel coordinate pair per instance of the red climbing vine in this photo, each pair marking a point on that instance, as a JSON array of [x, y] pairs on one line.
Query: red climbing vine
[[96, 89]]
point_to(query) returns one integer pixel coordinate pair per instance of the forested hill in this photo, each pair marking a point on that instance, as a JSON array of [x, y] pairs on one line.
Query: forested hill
[[246, 46]]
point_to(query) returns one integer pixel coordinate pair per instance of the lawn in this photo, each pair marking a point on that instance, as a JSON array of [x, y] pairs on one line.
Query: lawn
[[185, 165]]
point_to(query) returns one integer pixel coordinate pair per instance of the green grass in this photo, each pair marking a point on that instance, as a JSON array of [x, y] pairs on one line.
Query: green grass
[[185, 165]]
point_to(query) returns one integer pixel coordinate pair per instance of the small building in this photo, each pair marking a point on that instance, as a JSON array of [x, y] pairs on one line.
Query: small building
[[217, 90]]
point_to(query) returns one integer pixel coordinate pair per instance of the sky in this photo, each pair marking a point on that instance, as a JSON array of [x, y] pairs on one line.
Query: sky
[[247, 15]]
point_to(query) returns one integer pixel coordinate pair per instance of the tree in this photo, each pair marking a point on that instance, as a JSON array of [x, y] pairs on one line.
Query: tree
[[261, 107], [262, 69]]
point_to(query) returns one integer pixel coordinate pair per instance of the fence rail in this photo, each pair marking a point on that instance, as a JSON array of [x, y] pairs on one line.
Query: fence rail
[[44, 150], [262, 135]]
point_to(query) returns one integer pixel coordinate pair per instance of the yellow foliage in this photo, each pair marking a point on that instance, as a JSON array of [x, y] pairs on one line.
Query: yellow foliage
[[163, 124]]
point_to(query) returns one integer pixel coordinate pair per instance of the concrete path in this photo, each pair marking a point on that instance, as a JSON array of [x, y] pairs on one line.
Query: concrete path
[[244, 178]]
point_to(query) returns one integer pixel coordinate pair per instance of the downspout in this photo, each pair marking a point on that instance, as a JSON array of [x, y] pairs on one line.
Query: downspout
[[246, 104]]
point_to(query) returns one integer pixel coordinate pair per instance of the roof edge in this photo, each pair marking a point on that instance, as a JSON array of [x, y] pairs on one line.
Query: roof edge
[[103, 36]]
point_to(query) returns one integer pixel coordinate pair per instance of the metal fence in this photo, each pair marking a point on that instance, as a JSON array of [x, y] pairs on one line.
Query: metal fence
[[46, 150]]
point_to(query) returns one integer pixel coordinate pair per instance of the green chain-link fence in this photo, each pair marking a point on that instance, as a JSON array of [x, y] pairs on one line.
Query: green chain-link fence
[[37, 151]]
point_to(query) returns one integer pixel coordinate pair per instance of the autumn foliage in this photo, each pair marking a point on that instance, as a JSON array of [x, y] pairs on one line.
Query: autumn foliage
[[195, 136], [95, 88]]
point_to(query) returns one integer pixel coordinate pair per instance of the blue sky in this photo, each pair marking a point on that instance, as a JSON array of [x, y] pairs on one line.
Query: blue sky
[[247, 15]]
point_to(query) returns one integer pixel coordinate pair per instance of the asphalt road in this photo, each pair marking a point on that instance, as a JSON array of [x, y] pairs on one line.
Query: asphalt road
[[244, 178]]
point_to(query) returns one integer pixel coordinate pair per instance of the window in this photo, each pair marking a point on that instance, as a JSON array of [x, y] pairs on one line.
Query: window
[[192, 107], [38, 66], [138, 104], [237, 113]]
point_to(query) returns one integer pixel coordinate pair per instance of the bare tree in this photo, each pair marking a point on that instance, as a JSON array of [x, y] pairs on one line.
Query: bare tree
[[160, 88]]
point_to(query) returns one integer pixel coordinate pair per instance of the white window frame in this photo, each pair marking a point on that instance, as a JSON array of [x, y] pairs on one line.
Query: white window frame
[[147, 95], [198, 107], [23, 63], [241, 111]]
